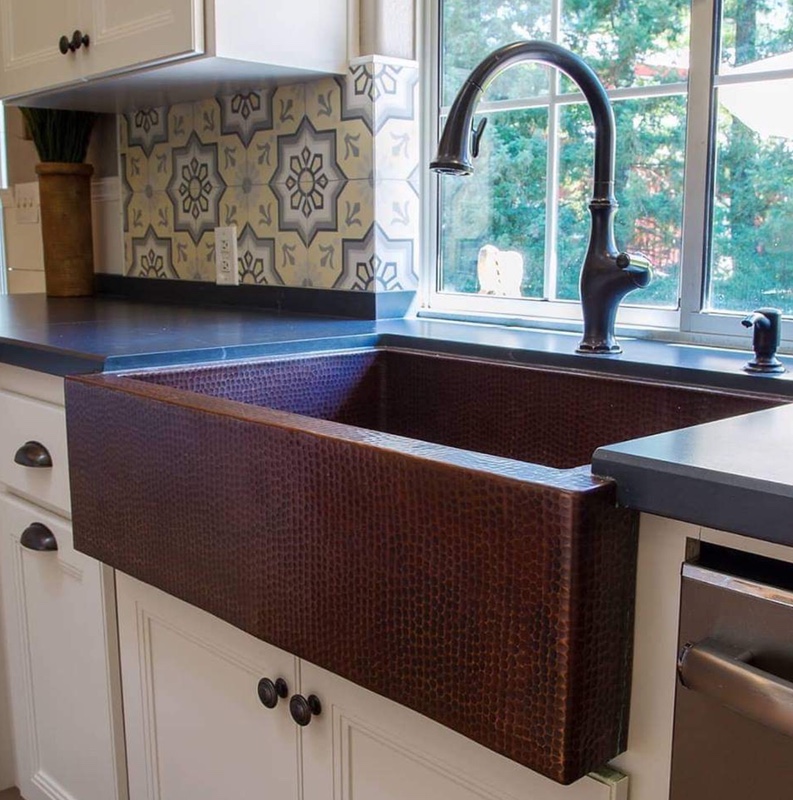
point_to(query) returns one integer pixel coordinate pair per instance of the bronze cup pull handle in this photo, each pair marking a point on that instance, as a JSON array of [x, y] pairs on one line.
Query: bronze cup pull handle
[[38, 537], [33, 454]]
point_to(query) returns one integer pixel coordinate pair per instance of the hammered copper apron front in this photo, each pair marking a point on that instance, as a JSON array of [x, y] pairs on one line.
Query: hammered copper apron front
[[490, 594]]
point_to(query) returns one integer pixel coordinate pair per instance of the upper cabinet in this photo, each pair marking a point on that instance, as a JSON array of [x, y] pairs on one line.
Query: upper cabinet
[[113, 55], [29, 35], [112, 36], [125, 35]]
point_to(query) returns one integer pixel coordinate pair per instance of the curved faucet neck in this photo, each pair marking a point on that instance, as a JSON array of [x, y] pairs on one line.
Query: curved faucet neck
[[577, 70]]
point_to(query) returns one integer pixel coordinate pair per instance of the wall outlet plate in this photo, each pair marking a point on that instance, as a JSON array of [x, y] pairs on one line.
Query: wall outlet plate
[[226, 266]]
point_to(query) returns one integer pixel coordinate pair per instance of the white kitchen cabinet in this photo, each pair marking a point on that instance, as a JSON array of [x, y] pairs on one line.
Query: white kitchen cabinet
[[29, 34], [195, 726], [151, 52], [197, 731], [121, 35], [58, 612], [365, 746]]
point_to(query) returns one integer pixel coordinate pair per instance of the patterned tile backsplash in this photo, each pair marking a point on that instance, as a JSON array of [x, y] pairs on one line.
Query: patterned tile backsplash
[[321, 180]]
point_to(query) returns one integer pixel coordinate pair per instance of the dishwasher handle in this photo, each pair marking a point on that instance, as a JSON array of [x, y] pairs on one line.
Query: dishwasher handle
[[721, 672]]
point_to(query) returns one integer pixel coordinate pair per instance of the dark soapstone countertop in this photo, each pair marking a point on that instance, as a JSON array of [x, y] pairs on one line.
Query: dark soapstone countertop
[[735, 474]]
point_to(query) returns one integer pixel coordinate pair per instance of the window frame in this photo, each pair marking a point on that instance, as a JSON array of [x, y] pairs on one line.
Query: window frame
[[691, 322]]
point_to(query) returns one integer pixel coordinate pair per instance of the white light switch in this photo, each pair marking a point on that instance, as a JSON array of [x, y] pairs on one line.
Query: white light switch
[[26, 199]]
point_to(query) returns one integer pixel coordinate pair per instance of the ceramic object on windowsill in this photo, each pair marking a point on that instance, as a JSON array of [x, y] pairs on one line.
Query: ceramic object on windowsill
[[61, 139]]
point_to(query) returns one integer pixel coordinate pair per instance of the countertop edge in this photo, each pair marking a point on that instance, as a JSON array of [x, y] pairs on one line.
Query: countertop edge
[[719, 499]]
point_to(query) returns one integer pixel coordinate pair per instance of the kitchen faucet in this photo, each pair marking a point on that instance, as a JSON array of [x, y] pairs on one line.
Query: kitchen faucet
[[607, 275]]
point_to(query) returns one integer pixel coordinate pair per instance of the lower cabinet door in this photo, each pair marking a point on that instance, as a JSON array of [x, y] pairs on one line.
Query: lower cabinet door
[[59, 619], [196, 726], [364, 746]]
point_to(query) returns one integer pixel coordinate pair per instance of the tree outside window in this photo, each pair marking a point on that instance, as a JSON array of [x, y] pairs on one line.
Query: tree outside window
[[533, 178]]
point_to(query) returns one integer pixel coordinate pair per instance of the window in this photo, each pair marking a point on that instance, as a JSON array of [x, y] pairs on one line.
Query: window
[[3, 185], [704, 168]]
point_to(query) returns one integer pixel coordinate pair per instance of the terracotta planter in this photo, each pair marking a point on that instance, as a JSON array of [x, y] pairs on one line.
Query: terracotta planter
[[65, 191]]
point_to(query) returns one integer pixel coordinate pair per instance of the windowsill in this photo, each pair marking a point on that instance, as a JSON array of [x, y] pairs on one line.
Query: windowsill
[[740, 341], [652, 359]]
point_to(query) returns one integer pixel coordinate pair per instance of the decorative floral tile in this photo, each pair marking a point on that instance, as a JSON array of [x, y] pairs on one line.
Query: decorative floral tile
[[307, 182], [151, 257], [136, 169], [161, 214], [206, 120], [324, 265], [160, 167], [256, 260], [355, 149], [397, 149], [291, 258], [262, 156], [244, 113], [320, 179], [356, 209], [250, 205], [246, 166], [180, 124], [262, 211], [195, 188], [375, 91], [146, 127], [204, 269], [289, 108], [377, 263], [184, 254], [138, 214], [397, 209], [323, 103], [232, 160]]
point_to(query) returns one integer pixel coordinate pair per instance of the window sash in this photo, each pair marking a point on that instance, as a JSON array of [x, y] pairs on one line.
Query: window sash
[[691, 321]]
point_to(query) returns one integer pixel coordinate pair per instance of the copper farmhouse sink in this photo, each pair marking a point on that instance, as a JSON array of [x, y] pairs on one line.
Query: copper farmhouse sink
[[424, 525]]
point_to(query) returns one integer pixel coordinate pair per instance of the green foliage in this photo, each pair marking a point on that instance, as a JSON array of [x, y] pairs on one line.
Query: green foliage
[[625, 42], [61, 136]]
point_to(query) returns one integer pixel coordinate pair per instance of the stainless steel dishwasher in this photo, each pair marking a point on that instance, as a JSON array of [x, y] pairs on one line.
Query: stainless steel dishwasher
[[733, 732]]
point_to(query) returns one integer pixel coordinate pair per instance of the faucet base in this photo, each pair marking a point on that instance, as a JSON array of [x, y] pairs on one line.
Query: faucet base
[[767, 365], [598, 348]]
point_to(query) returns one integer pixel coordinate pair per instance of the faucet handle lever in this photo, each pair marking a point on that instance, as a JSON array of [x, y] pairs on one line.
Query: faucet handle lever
[[637, 265], [625, 260], [476, 136]]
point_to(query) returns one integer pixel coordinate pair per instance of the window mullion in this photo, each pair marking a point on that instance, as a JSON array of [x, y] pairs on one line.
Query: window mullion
[[552, 173], [697, 185], [552, 200]]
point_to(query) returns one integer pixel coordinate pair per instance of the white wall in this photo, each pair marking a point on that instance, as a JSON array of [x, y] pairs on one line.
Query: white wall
[[388, 28]]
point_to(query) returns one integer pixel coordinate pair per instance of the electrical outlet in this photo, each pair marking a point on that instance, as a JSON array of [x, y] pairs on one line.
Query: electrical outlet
[[226, 267]]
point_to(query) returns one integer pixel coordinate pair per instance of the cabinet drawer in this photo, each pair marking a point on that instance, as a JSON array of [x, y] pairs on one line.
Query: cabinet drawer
[[22, 420]]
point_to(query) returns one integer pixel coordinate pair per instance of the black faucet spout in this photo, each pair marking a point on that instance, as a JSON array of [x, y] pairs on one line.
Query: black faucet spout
[[606, 274]]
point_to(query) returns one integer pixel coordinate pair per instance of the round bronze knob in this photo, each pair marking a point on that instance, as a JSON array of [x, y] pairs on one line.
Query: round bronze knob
[[64, 44], [269, 692], [303, 709], [78, 40]]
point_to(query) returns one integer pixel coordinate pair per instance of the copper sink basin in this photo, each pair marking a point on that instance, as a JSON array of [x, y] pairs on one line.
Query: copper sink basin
[[424, 525]]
